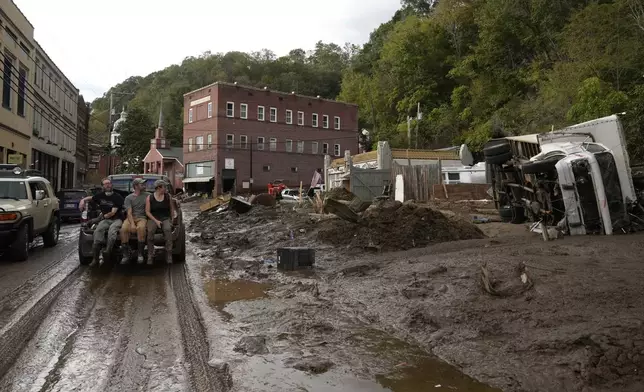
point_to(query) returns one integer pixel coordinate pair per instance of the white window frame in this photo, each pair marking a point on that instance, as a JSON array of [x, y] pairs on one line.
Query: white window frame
[[243, 111], [230, 143], [289, 145], [272, 144], [260, 143], [336, 150], [209, 141], [190, 115], [300, 118], [190, 143], [325, 121], [243, 142], [261, 113], [199, 143], [314, 120], [230, 109], [325, 148], [314, 147], [272, 115], [300, 146], [289, 117], [209, 109], [336, 122]]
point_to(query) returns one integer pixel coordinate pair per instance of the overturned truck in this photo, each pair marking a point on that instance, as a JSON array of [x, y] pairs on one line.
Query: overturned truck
[[578, 178]]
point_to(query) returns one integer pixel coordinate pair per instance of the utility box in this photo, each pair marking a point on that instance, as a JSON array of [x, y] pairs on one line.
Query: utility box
[[289, 259]]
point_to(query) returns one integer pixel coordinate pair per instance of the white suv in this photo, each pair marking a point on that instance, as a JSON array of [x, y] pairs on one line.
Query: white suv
[[28, 208]]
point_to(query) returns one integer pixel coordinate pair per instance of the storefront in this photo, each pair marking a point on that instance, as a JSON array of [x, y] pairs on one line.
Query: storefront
[[14, 148], [47, 164], [67, 174]]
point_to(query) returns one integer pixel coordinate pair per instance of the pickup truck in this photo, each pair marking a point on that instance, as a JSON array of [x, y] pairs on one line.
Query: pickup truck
[[122, 184]]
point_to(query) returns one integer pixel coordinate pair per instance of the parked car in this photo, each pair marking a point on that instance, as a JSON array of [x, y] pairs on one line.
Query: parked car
[[69, 199], [122, 184], [28, 209]]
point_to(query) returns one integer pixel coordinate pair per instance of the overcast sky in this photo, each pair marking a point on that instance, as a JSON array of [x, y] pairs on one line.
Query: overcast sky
[[98, 44]]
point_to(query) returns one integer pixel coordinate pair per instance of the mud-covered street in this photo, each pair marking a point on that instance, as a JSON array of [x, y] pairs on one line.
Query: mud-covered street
[[375, 313]]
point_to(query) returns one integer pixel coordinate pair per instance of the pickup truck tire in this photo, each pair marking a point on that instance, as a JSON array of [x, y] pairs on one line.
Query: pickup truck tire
[[180, 256], [50, 237], [539, 166], [498, 159], [84, 260], [496, 149], [20, 246]]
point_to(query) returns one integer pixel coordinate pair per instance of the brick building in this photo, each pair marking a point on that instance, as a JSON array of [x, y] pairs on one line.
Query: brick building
[[163, 158], [241, 138]]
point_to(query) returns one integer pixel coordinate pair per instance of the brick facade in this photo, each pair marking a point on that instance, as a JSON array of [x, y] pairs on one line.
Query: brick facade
[[223, 123]]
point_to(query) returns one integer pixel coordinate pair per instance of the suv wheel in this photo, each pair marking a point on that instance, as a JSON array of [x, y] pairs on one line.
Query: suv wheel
[[50, 237], [20, 246], [180, 256]]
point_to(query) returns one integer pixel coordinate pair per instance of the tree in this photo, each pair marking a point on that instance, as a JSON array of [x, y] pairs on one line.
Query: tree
[[136, 132]]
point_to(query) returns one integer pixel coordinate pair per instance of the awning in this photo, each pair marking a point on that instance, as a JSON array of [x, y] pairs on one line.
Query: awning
[[196, 179]]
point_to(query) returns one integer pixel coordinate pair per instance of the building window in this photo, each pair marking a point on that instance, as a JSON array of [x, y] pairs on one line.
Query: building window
[[294, 170], [6, 80], [243, 142], [300, 146], [272, 144], [314, 120], [273, 115], [199, 142], [22, 85], [289, 117], [325, 121], [209, 141], [190, 115], [190, 143], [266, 168], [243, 111], [260, 113], [314, 148], [336, 150], [325, 148], [336, 122], [230, 109], [289, 145], [260, 143], [300, 118], [209, 109], [230, 141]]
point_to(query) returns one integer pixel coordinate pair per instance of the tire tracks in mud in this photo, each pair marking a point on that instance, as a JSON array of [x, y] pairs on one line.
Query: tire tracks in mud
[[203, 376]]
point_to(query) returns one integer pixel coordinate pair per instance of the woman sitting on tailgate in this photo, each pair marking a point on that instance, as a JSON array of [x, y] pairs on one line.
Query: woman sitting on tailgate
[[160, 211]]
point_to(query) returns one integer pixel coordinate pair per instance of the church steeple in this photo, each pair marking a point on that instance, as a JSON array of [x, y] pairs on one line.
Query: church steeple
[[159, 134]]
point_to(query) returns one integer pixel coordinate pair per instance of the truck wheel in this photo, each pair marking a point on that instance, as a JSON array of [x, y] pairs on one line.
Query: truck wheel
[[50, 237], [180, 256], [84, 260], [498, 159], [20, 246]]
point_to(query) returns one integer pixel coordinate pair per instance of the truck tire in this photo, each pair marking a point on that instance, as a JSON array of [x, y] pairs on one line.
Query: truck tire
[[180, 256], [50, 237], [512, 214], [498, 159], [20, 246], [537, 167], [496, 149], [84, 260]]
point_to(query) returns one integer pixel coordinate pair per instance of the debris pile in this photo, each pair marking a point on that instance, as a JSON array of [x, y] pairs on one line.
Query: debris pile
[[391, 225], [339, 194]]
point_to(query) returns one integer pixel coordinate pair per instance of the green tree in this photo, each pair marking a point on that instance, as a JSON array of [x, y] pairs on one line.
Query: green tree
[[135, 135]]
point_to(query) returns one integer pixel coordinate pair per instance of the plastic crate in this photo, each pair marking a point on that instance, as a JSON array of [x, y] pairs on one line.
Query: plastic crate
[[289, 259]]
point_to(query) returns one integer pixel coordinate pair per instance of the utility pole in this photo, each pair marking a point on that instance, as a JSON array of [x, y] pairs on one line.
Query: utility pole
[[408, 131], [109, 133], [419, 116], [250, 180]]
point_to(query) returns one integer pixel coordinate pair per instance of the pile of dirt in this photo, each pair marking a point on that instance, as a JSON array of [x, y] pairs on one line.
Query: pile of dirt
[[339, 194], [392, 226]]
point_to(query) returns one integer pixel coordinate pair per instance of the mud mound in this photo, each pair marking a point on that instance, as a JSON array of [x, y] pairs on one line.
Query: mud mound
[[340, 194], [395, 226]]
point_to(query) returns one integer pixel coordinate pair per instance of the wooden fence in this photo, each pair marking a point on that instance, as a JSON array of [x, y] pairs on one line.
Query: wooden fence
[[418, 180]]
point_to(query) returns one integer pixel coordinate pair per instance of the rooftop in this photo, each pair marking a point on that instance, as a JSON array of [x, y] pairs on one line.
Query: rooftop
[[267, 89]]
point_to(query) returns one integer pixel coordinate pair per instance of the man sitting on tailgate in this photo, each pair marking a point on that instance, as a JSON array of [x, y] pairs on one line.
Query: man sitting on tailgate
[[111, 205], [135, 221]]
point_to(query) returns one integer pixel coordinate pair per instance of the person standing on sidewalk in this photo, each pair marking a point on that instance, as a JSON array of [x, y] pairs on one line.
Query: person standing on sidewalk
[[110, 204], [160, 211], [136, 220]]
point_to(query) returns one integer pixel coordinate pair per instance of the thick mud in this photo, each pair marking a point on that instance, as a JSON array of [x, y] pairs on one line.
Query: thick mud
[[421, 319]]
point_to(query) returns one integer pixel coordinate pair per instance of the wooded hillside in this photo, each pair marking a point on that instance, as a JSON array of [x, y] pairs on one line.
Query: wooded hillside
[[478, 68]]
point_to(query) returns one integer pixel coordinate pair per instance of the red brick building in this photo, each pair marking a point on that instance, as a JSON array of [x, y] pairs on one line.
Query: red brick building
[[236, 135]]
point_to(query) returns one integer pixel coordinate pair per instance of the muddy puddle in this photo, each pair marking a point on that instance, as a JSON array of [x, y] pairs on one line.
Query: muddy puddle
[[221, 292], [416, 370]]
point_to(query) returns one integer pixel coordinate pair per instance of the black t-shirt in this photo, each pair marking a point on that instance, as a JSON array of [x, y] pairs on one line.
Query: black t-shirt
[[107, 202]]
